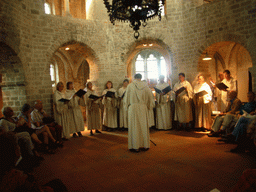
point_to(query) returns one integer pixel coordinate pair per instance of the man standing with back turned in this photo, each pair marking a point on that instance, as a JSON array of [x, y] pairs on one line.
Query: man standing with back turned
[[138, 100]]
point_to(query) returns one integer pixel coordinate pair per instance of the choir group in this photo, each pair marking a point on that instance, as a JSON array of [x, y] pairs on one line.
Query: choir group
[[34, 130]]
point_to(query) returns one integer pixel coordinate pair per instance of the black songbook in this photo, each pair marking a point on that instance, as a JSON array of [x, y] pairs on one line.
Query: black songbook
[[80, 92], [110, 94], [164, 91], [95, 97], [63, 100], [221, 86], [180, 90], [201, 93], [157, 90]]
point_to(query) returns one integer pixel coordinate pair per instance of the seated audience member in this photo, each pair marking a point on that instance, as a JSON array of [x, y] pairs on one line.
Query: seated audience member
[[11, 179], [223, 119], [24, 134], [40, 117], [244, 134], [25, 120]]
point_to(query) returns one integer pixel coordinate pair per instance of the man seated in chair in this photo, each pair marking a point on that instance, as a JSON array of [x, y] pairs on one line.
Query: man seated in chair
[[223, 120], [40, 117]]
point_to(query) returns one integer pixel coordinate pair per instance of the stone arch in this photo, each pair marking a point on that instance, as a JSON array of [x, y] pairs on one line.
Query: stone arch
[[228, 55], [86, 51], [137, 47], [13, 90]]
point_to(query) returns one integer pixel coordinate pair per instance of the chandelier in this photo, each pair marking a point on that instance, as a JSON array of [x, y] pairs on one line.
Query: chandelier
[[137, 12]]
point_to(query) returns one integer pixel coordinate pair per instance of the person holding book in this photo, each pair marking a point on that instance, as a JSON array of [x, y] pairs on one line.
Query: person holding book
[[138, 100], [92, 103], [61, 111], [74, 110], [202, 100], [163, 106], [123, 116], [110, 103], [231, 83], [183, 106]]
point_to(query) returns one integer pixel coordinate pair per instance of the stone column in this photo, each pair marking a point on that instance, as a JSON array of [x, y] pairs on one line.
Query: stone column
[[67, 12]]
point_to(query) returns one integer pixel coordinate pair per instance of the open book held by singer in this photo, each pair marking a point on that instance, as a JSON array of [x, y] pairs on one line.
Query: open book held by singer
[[79, 93], [164, 91]]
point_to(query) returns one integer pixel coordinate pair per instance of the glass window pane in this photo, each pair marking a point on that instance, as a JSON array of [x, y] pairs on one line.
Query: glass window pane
[[52, 73], [151, 63], [47, 8], [139, 65], [163, 66], [152, 75]]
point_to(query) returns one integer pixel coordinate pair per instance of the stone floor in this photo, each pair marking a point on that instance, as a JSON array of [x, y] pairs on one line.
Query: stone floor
[[181, 161]]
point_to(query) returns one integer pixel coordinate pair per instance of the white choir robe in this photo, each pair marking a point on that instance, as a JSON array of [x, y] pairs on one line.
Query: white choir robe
[[138, 100], [110, 109], [163, 109], [151, 117], [123, 114], [93, 118], [61, 114], [183, 105], [203, 107], [232, 86], [74, 111]]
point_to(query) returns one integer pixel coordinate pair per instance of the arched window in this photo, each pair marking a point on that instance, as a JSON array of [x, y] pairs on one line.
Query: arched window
[[47, 8], [54, 73], [150, 64]]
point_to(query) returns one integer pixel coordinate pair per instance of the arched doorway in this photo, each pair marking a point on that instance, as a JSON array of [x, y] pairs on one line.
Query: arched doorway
[[12, 80], [73, 62], [232, 56]]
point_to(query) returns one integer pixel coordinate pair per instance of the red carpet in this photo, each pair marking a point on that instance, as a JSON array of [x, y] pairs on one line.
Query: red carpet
[[181, 161]]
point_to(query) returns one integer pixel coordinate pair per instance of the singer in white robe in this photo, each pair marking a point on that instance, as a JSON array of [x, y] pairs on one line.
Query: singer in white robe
[[183, 105], [93, 115], [74, 110], [203, 105], [138, 99], [110, 108], [61, 111], [123, 114], [163, 107], [232, 86]]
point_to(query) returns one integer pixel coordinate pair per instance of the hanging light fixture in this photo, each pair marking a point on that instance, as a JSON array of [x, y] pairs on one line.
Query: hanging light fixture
[[207, 57], [137, 12]]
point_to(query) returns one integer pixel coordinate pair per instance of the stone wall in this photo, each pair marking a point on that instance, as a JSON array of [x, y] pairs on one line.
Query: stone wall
[[186, 31]]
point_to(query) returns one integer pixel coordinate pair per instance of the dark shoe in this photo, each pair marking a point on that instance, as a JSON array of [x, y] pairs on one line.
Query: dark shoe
[[75, 135], [91, 133], [79, 134], [97, 131], [237, 150], [214, 134], [110, 130], [144, 149], [135, 150], [59, 144], [65, 139]]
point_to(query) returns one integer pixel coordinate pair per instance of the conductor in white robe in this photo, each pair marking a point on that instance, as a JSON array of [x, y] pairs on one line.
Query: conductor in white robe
[[163, 107], [183, 102], [232, 86], [138, 100]]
